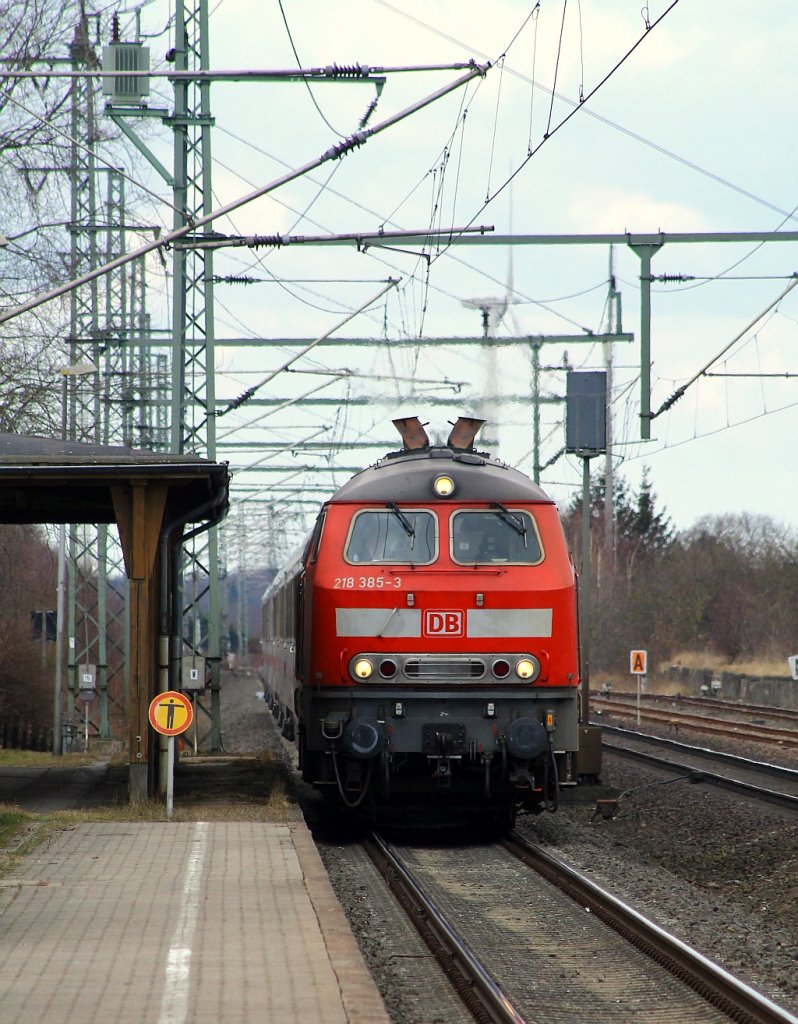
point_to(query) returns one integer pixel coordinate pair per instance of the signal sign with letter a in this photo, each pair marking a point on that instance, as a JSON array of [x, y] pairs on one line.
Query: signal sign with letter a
[[637, 662], [443, 623]]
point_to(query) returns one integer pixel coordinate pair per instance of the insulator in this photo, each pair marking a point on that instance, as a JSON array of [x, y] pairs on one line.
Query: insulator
[[261, 241], [347, 71], [339, 149], [364, 120]]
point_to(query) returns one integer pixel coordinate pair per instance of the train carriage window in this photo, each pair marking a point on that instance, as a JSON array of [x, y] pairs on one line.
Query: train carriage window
[[496, 535], [268, 629], [392, 535], [289, 610]]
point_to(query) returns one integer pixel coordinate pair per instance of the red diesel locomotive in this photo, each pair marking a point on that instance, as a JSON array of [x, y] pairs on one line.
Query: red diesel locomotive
[[423, 647]]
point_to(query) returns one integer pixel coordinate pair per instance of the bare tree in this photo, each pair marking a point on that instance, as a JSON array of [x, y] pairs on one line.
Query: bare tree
[[728, 585], [743, 572], [34, 207]]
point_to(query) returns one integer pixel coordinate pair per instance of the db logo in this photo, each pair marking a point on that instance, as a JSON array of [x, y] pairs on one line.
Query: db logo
[[443, 623]]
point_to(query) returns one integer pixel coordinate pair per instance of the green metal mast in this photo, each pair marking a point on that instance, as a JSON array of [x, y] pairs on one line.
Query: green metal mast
[[193, 380], [99, 319]]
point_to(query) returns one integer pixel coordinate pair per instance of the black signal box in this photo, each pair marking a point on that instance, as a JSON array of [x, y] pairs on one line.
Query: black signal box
[[586, 412]]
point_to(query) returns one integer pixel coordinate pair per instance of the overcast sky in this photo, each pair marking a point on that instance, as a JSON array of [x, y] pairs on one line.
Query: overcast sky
[[694, 131]]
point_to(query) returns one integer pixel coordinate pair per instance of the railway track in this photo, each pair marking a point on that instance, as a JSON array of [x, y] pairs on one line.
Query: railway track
[[743, 711], [674, 719], [480, 995], [547, 944], [718, 987], [771, 783]]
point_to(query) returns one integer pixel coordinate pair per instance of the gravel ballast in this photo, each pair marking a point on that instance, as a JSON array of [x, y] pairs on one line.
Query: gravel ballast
[[718, 870]]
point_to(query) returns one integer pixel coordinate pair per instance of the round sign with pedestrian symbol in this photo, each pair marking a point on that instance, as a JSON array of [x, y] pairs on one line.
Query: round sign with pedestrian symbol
[[171, 713]]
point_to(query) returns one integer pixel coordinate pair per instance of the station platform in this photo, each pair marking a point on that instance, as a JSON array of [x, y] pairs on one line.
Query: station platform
[[179, 923]]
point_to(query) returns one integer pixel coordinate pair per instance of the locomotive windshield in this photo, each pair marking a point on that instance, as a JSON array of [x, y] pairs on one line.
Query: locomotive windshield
[[392, 535], [496, 535]]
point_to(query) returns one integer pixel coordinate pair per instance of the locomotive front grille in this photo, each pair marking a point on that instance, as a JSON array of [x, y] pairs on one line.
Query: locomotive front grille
[[386, 668], [442, 669]]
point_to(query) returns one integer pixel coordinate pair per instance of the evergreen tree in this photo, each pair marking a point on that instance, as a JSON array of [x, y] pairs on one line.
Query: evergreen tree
[[641, 523]]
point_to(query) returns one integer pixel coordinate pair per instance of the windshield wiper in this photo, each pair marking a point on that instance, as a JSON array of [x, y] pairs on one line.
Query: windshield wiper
[[506, 516], [407, 526]]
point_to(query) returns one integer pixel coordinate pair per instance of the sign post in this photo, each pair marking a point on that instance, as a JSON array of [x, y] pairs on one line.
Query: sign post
[[193, 682], [170, 715], [637, 666], [87, 680], [585, 436]]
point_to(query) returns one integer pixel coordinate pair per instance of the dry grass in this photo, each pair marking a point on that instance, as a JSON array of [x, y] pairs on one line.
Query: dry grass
[[43, 759], [206, 789]]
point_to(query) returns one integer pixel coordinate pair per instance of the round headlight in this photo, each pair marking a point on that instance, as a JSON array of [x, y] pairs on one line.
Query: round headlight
[[528, 668], [387, 668], [362, 668], [443, 486]]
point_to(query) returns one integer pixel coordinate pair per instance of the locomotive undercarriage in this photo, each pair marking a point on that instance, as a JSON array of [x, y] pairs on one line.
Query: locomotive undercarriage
[[491, 754]]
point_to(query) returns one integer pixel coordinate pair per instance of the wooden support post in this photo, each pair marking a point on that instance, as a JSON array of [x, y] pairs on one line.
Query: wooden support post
[[139, 509]]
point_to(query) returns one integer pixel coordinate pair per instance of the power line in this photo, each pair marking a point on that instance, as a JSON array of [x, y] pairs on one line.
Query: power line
[[669, 402], [649, 143], [299, 64], [335, 152], [549, 134]]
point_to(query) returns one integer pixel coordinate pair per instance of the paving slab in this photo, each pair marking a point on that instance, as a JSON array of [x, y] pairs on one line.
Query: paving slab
[[179, 923]]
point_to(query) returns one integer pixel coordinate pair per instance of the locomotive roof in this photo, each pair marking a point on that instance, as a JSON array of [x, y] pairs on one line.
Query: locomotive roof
[[409, 476]]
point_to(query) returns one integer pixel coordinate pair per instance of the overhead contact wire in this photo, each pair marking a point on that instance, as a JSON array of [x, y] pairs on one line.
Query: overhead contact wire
[[680, 391], [299, 65], [568, 116], [495, 125], [600, 117], [536, 12], [556, 69]]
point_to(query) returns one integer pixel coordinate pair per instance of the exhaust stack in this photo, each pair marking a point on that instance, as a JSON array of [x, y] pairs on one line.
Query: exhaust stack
[[414, 436], [463, 433]]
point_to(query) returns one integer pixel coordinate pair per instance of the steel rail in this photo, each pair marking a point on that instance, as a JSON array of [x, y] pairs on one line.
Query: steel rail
[[722, 990], [732, 707], [479, 992], [777, 771], [770, 796], [740, 730]]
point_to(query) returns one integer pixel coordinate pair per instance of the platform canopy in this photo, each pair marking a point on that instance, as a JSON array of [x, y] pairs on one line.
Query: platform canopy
[[153, 498], [45, 480]]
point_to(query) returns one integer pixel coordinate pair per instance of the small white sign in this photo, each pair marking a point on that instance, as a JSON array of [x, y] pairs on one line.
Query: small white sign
[[87, 677], [792, 661]]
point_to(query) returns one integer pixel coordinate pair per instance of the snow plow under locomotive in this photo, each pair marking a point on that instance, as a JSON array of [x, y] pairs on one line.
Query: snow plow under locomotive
[[423, 646]]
